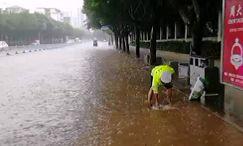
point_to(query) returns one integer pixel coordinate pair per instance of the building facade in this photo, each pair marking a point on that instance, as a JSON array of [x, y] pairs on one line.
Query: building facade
[[53, 13], [16, 10]]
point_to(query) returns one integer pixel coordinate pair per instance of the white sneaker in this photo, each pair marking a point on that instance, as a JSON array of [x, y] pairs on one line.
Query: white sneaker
[[169, 107], [155, 107]]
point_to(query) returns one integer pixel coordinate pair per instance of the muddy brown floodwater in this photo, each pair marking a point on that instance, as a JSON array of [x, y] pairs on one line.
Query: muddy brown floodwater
[[81, 95]]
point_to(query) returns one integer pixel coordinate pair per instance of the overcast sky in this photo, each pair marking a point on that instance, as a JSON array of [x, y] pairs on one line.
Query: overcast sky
[[65, 5]]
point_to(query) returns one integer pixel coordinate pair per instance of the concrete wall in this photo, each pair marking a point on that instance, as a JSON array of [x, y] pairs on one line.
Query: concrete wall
[[234, 102], [169, 56]]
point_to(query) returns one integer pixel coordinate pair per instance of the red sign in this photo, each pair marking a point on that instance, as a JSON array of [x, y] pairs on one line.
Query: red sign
[[232, 71]]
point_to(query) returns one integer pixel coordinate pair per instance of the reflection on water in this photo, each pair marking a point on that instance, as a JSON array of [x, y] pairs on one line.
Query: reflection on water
[[82, 95]]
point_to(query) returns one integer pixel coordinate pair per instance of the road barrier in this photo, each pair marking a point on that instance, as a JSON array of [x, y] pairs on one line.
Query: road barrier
[[11, 50]]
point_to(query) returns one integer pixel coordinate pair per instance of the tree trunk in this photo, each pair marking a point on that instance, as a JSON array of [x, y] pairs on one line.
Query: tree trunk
[[137, 42], [127, 44], [116, 41], [112, 40], [123, 44], [120, 43], [197, 35], [197, 29], [153, 45]]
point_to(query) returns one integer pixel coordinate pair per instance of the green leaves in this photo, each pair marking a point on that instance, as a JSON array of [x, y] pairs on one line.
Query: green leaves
[[24, 25]]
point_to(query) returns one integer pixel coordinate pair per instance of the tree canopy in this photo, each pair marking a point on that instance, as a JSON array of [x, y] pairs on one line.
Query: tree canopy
[[125, 17], [24, 27]]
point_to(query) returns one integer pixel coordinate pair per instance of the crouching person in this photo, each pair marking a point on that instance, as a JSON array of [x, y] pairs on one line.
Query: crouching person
[[161, 76]]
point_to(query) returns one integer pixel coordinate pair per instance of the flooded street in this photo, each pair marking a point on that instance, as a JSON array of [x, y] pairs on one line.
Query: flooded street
[[81, 95]]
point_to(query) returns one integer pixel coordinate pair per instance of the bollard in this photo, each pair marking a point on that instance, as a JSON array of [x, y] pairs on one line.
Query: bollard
[[147, 59]]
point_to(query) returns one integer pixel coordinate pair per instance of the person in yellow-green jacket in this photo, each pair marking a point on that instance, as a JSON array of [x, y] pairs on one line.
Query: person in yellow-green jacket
[[161, 76]]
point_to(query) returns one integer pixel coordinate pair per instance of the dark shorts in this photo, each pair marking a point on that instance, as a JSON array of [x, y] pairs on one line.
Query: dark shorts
[[166, 85]]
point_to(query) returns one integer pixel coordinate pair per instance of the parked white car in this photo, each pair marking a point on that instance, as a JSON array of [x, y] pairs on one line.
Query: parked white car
[[3, 44], [71, 41], [36, 42]]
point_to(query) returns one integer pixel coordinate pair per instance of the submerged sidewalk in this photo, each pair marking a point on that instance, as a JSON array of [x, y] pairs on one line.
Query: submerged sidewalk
[[215, 104], [122, 117], [131, 123]]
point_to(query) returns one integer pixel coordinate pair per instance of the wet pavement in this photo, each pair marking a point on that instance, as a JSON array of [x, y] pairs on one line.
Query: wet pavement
[[81, 95]]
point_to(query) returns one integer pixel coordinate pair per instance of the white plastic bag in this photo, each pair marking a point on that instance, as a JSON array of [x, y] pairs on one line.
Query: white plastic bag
[[198, 90]]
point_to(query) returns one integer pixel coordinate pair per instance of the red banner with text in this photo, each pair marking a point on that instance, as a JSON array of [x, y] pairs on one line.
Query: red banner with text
[[232, 69]]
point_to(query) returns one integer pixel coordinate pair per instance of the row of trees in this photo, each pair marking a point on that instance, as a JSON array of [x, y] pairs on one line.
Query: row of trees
[[24, 28], [125, 17]]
